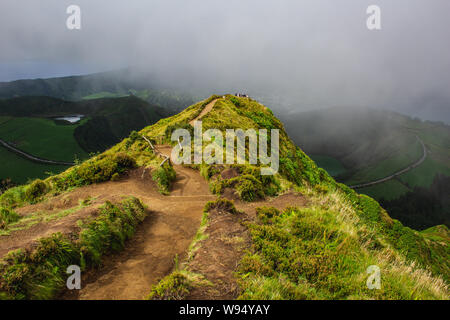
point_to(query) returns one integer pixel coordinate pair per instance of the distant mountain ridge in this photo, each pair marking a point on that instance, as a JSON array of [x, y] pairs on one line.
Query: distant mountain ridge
[[111, 83]]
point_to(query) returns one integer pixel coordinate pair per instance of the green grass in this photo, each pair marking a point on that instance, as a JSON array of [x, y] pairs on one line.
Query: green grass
[[42, 138], [399, 160], [40, 273], [41, 216], [332, 165], [104, 167], [21, 170], [315, 253], [388, 190], [424, 175]]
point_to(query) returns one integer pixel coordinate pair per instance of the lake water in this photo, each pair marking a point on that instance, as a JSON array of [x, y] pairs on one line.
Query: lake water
[[71, 119]]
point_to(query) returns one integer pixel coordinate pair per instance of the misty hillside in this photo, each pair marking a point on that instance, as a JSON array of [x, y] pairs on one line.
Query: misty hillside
[[35, 125], [123, 215], [112, 84], [359, 146]]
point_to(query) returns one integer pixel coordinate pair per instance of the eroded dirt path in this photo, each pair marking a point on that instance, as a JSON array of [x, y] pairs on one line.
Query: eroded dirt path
[[205, 110], [228, 240], [169, 229]]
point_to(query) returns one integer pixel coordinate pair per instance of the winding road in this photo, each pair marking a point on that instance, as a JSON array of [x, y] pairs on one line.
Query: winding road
[[412, 166], [31, 157]]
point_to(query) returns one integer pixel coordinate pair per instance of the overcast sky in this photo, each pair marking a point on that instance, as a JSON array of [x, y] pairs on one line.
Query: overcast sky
[[318, 52]]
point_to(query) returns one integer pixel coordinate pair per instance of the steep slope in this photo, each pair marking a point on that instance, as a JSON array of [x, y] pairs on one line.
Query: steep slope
[[409, 156], [294, 235]]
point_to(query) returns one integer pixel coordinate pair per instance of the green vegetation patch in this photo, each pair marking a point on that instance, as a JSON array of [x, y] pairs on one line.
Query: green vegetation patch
[[21, 170], [40, 272], [7, 216], [164, 176], [308, 254], [332, 165], [249, 185], [43, 138], [99, 169]]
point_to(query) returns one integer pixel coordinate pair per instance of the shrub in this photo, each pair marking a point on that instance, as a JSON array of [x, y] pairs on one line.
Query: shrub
[[36, 190], [95, 170], [221, 204], [173, 287], [110, 230], [266, 214], [132, 138], [39, 273], [7, 216], [248, 187], [13, 197], [164, 176]]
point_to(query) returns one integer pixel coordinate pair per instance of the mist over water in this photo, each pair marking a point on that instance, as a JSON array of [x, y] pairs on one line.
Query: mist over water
[[293, 55]]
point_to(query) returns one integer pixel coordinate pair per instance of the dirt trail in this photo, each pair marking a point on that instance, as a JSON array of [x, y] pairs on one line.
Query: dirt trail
[[172, 223], [205, 110], [227, 241]]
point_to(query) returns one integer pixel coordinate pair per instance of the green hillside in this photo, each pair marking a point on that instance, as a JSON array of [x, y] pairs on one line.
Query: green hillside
[[372, 145], [28, 124], [42, 137], [320, 250], [21, 170], [112, 84]]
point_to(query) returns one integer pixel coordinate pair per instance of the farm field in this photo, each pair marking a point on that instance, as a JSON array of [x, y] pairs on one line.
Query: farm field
[[104, 94], [332, 165], [22, 170], [42, 138], [397, 161]]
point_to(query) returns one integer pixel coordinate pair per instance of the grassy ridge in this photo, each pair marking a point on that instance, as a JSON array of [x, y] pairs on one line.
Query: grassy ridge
[[409, 246], [316, 253], [412, 261]]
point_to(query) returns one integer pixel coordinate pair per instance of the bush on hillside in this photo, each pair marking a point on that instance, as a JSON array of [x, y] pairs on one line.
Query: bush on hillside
[[7, 216], [164, 176], [40, 272], [36, 190], [99, 169]]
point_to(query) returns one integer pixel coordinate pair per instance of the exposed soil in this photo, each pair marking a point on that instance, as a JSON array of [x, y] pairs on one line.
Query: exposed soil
[[167, 232], [228, 239], [205, 110], [229, 173]]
